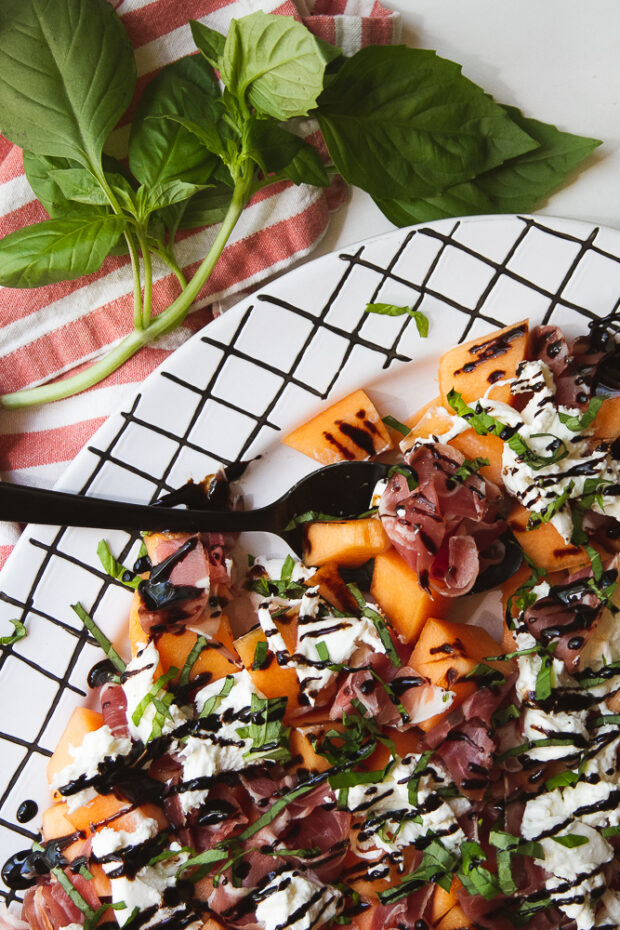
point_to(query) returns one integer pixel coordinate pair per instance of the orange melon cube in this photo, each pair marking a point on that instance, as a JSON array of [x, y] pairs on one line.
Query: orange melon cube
[[544, 546], [346, 542], [273, 680], [396, 589], [472, 367], [349, 429]]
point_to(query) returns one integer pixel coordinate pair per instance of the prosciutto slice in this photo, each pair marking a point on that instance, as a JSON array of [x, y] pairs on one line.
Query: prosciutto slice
[[186, 571], [114, 709], [567, 616], [446, 529]]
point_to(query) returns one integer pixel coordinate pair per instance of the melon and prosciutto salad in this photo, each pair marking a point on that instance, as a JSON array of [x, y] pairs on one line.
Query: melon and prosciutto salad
[[353, 739]]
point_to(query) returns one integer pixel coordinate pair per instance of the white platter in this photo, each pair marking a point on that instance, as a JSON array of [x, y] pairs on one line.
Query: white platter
[[234, 389]]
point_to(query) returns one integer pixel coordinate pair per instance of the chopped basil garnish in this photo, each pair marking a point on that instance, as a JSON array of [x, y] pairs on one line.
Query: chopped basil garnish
[[270, 738], [20, 632], [213, 702], [468, 468], [414, 782], [194, 655], [421, 320], [407, 472], [477, 879], [576, 424], [570, 840], [393, 423], [545, 516], [261, 656], [484, 424], [151, 697], [486, 676], [100, 637], [561, 780], [438, 865], [379, 623], [116, 569], [315, 516]]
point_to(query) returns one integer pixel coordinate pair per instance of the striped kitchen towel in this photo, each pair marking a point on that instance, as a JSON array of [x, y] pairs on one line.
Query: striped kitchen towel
[[49, 331]]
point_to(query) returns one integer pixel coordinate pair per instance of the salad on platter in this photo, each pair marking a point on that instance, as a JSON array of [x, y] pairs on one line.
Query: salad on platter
[[353, 738]]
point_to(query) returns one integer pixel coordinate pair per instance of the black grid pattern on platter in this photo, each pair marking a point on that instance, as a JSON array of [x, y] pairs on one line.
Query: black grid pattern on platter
[[422, 266]]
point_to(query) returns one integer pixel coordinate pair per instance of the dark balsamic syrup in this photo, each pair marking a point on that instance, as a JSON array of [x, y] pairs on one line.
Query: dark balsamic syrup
[[26, 811]]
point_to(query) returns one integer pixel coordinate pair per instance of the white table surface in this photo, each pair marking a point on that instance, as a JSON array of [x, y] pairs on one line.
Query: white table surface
[[557, 60]]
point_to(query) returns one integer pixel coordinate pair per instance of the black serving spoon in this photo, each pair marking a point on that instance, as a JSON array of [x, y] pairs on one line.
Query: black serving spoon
[[341, 490]]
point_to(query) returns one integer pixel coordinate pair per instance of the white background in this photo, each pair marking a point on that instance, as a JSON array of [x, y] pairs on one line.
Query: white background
[[557, 60]]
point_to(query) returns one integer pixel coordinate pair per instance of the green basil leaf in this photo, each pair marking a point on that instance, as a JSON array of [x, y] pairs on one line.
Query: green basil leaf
[[561, 780], [571, 840], [516, 186], [80, 185], [116, 569], [203, 209], [277, 151], [39, 172], [209, 42], [402, 122], [395, 424], [170, 193], [160, 149], [576, 424], [19, 631], [275, 63], [100, 637], [57, 250], [67, 75], [421, 320]]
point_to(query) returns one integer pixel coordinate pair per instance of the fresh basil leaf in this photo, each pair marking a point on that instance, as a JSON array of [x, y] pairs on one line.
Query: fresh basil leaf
[[100, 637], [275, 63], [19, 631], [211, 705], [576, 424], [468, 468], [67, 75], [561, 780], [203, 209], [421, 320], [393, 119], [114, 568], [196, 651], [80, 185], [162, 150], [209, 42], [537, 518], [57, 250], [571, 840], [277, 151], [39, 171], [407, 472], [516, 186], [544, 678], [169, 193], [393, 423], [261, 653]]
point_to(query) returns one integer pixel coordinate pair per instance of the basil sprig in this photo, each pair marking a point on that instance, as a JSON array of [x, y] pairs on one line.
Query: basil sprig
[[392, 118]]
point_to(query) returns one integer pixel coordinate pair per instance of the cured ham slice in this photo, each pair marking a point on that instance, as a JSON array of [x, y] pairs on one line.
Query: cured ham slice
[[447, 529], [114, 709]]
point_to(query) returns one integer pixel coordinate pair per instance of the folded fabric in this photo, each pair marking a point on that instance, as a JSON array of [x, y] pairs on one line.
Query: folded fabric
[[49, 331]]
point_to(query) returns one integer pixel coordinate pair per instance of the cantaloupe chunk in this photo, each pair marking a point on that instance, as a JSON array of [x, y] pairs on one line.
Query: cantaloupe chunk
[[273, 681], [455, 919], [82, 721], [443, 901], [137, 637], [174, 648], [396, 589], [472, 367], [54, 823], [332, 587], [347, 542], [97, 811], [350, 429], [544, 546], [474, 446], [302, 748], [447, 652], [607, 422], [436, 421]]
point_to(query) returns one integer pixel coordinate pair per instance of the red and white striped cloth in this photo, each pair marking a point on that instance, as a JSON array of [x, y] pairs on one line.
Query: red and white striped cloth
[[49, 331]]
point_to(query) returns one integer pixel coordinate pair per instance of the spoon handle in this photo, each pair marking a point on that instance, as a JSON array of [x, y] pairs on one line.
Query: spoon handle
[[37, 505]]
